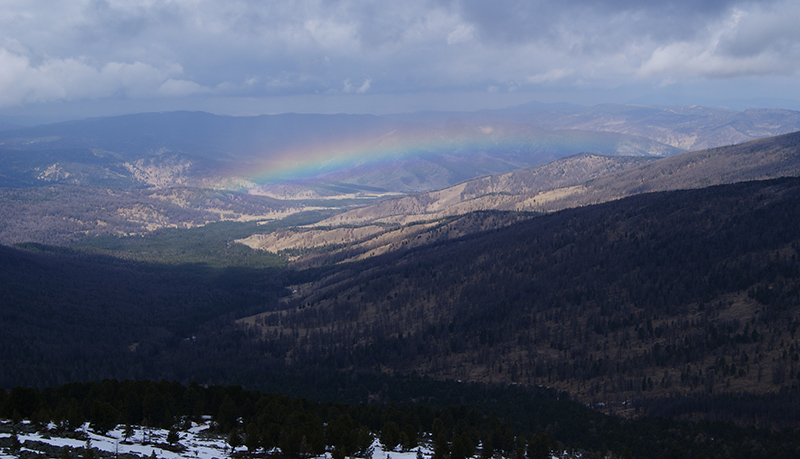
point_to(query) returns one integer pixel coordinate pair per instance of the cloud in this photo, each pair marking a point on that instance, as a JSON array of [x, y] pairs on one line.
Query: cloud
[[549, 76], [743, 42], [461, 34], [695, 59], [95, 49], [74, 78], [348, 87], [180, 88]]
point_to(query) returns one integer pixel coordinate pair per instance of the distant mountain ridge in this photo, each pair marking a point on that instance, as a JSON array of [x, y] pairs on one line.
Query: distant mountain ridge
[[299, 162], [232, 145], [234, 152], [590, 179], [685, 127], [506, 191]]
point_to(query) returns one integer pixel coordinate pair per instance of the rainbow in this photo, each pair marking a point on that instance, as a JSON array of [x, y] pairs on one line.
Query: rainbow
[[314, 160]]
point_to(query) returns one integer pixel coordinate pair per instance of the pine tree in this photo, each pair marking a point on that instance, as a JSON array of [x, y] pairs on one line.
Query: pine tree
[[252, 439], [234, 439], [172, 437], [128, 432], [441, 449], [15, 444]]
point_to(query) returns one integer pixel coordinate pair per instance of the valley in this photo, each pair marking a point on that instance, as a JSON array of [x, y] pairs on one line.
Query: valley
[[640, 261]]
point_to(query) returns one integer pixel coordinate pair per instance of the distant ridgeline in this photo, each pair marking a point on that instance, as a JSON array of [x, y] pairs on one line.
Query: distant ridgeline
[[300, 428]]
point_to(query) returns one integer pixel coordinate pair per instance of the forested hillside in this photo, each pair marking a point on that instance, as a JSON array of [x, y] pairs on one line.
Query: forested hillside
[[631, 305], [658, 295]]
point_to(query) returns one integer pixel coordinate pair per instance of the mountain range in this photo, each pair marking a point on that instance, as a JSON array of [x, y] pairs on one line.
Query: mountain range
[[188, 169], [569, 182], [553, 246]]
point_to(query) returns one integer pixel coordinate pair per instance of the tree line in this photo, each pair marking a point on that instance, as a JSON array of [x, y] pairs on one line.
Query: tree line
[[534, 424]]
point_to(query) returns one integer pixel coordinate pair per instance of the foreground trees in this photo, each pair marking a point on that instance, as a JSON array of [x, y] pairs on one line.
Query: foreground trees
[[300, 428]]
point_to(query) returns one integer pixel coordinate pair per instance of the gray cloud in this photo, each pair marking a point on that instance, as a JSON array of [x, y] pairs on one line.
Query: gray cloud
[[95, 49]]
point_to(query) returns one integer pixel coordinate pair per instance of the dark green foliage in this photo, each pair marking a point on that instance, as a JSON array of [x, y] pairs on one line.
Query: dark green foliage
[[15, 444], [104, 416], [234, 439], [364, 440], [70, 316], [441, 448], [23, 401], [173, 437], [297, 426], [462, 447], [342, 434], [128, 432], [252, 438], [541, 447], [88, 451], [409, 437], [210, 245], [390, 435]]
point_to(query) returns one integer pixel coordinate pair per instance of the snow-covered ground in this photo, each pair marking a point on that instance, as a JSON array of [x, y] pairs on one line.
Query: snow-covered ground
[[198, 443]]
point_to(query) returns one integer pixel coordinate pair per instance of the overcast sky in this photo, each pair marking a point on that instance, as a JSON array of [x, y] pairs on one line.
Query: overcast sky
[[363, 56]]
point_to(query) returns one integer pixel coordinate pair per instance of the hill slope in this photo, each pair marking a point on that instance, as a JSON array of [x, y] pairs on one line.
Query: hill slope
[[575, 181], [687, 292], [669, 294], [589, 179]]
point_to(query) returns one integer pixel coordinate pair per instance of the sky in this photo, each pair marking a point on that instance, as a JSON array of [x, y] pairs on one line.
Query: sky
[[97, 57]]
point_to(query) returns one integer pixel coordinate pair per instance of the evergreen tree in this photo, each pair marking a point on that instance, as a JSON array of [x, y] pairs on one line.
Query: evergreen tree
[[390, 435], [128, 432], [252, 439], [104, 417], [15, 444], [441, 449], [462, 447], [364, 442], [234, 439], [409, 437], [88, 451], [540, 447]]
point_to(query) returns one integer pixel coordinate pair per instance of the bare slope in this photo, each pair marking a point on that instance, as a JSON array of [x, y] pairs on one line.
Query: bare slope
[[494, 192], [755, 160], [589, 179], [62, 214], [579, 180], [413, 220]]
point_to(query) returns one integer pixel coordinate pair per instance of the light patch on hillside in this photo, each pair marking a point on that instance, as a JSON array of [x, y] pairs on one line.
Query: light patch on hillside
[[550, 196], [161, 174], [299, 239], [299, 192], [53, 173]]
